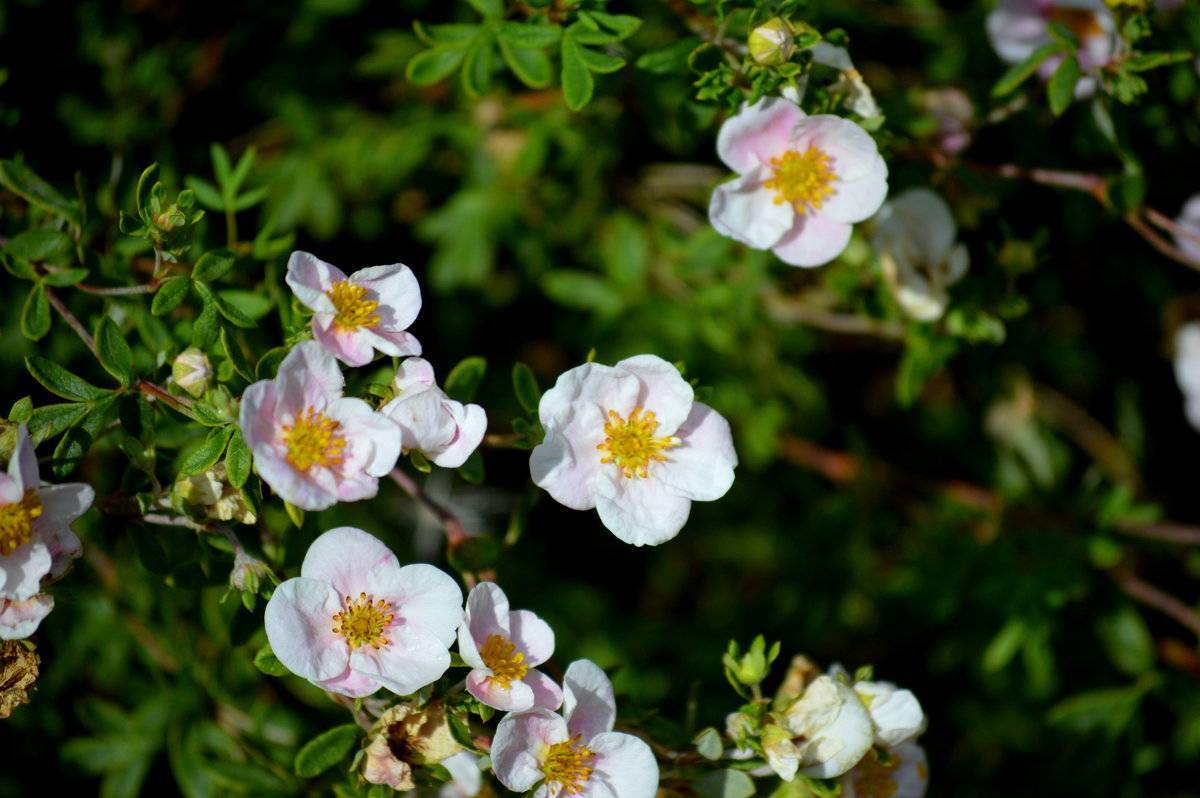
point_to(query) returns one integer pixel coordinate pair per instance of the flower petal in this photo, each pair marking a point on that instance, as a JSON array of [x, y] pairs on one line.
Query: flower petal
[[397, 291], [21, 571], [22, 464], [663, 390], [472, 426], [546, 693], [414, 657], [350, 683], [352, 347], [532, 636], [743, 210], [757, 133], [309, 277], [814, 241], [644, 512], [624, 765], [516, 697], [20, 619], [896, 713], [588, 702], [858, 199], [701, 467], [519, 738], [421, 595], [62, 504], [487, 613], [345, 557], [299, 622]]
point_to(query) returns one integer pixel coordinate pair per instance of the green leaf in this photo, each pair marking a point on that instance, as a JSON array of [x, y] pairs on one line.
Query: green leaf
[[477, 68], [577, 82], [21, 410], [1061, 88], [251, 304], [206, 193], [221, 165], [113, 351], [78, 439], [1020, 72], [529, 36], [463, 380], [238, 460], [599, 62], [670, 60], [236, 355], [491, 9], [474, 554], [472, 470], [49, 420], [18, 267], [61, 382], [295, 514], [169, 295], [582, 290], [708, 744], [65, 277], [19, 179], [531, 66], [623, 25], [1106, 710], [214, 265], [266, 661], [1140, 62], [725, 784], [525, 386], [208, 453], [326, 750], [435, 64], [35, 313], [625, 251], [226, 309], [1128, 642], [40, 245]]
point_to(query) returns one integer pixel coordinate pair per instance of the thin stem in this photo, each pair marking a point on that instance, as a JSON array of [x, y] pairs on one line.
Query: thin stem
[[231, 231], [153, 391], [1160, 243], [1146, 593], [120, 290], [71, 320], [456, 533], [1171, 226], [793, 310]]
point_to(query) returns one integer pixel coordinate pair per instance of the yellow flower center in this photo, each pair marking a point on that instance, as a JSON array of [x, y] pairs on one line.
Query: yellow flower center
[[313, 439], [16, 522], [569, 765], [630, 442], [354, 310], [507, 664], [363, 621], [803, 179], [874, 778]]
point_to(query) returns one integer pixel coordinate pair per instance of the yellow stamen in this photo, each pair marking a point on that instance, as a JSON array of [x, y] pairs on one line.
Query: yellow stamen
[[803, 179], [363, 622], [507, 664], [16, 522], [631, 443], [569, 765], [354, 310], [874, 778], [312, 439]]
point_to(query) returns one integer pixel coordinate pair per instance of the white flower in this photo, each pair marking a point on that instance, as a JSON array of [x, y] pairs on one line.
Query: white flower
[[1187, 369], [831, 727], [915, 236], [1017, 28], [895, 713], [466, 777], [503, 647], [803, 181], [902, 773], [1189, 219], [579, 754], [631, 441], [445, 431], [353, 316], [861, 100]]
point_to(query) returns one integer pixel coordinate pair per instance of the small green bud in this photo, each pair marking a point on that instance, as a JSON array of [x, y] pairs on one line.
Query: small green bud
[[192, 371], [772, 43]]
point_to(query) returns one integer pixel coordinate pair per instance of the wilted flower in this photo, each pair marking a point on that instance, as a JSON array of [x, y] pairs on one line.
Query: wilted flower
[[1189, 220], [18, 672], [630, 441], [850, 81], [445, 431], [20, 619], [803, 181], [896, 713], [503, 647], [192, 371], [218, 499], [772, 42], [353, 316], [579, 754], [312, 445], [900, 772], [248, 573], [355, 620], [952, 111], [405, 736], [828, 731], [1187, 369], [35, 534], [915, 236], [1019, 27], [466, 777]]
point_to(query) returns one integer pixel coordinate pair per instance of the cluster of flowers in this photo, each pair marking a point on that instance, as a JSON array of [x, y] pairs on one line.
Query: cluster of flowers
[[1187, 336], [628, 440], [356, 620], [838, 726], [36, 542]]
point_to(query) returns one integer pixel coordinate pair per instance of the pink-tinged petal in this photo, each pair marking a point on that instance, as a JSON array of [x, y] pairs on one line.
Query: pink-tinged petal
[[423, 419], [757, 133], [466, 776], [396, 343], [373, 439], [352, 347], [856, 200], [22, 465], [663, 390], [1189, 220], [852, 151], [588, 702], [745, 211], [356, 488], [64, 548], [516, 697], [20, 619], [520, 738], [305, 492], [624, 767], [396, 289], [256, 415], [10, 489], [533, 636], [592, 386], [344, 558], [413, 658], [308, 377], [701, 467], [566, 471], [309, 277], [420, 595], [813, 241], [546, 692], [414, 374], [299, 623], [472, 426], [487, 613], [62, 504], [643, 512], [350, 683], [1016, 28], [21, 571]]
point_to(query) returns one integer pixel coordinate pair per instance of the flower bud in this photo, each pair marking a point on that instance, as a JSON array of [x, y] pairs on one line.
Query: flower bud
[[248, 572], [772, 43], [192, 372]]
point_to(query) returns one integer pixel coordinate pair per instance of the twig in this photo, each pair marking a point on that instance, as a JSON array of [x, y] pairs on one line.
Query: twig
[[1151, 596], [119, 290], [1171, 226], [455, 532], [1158, 242], [793, 311], [71, 320], [154, 391]]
